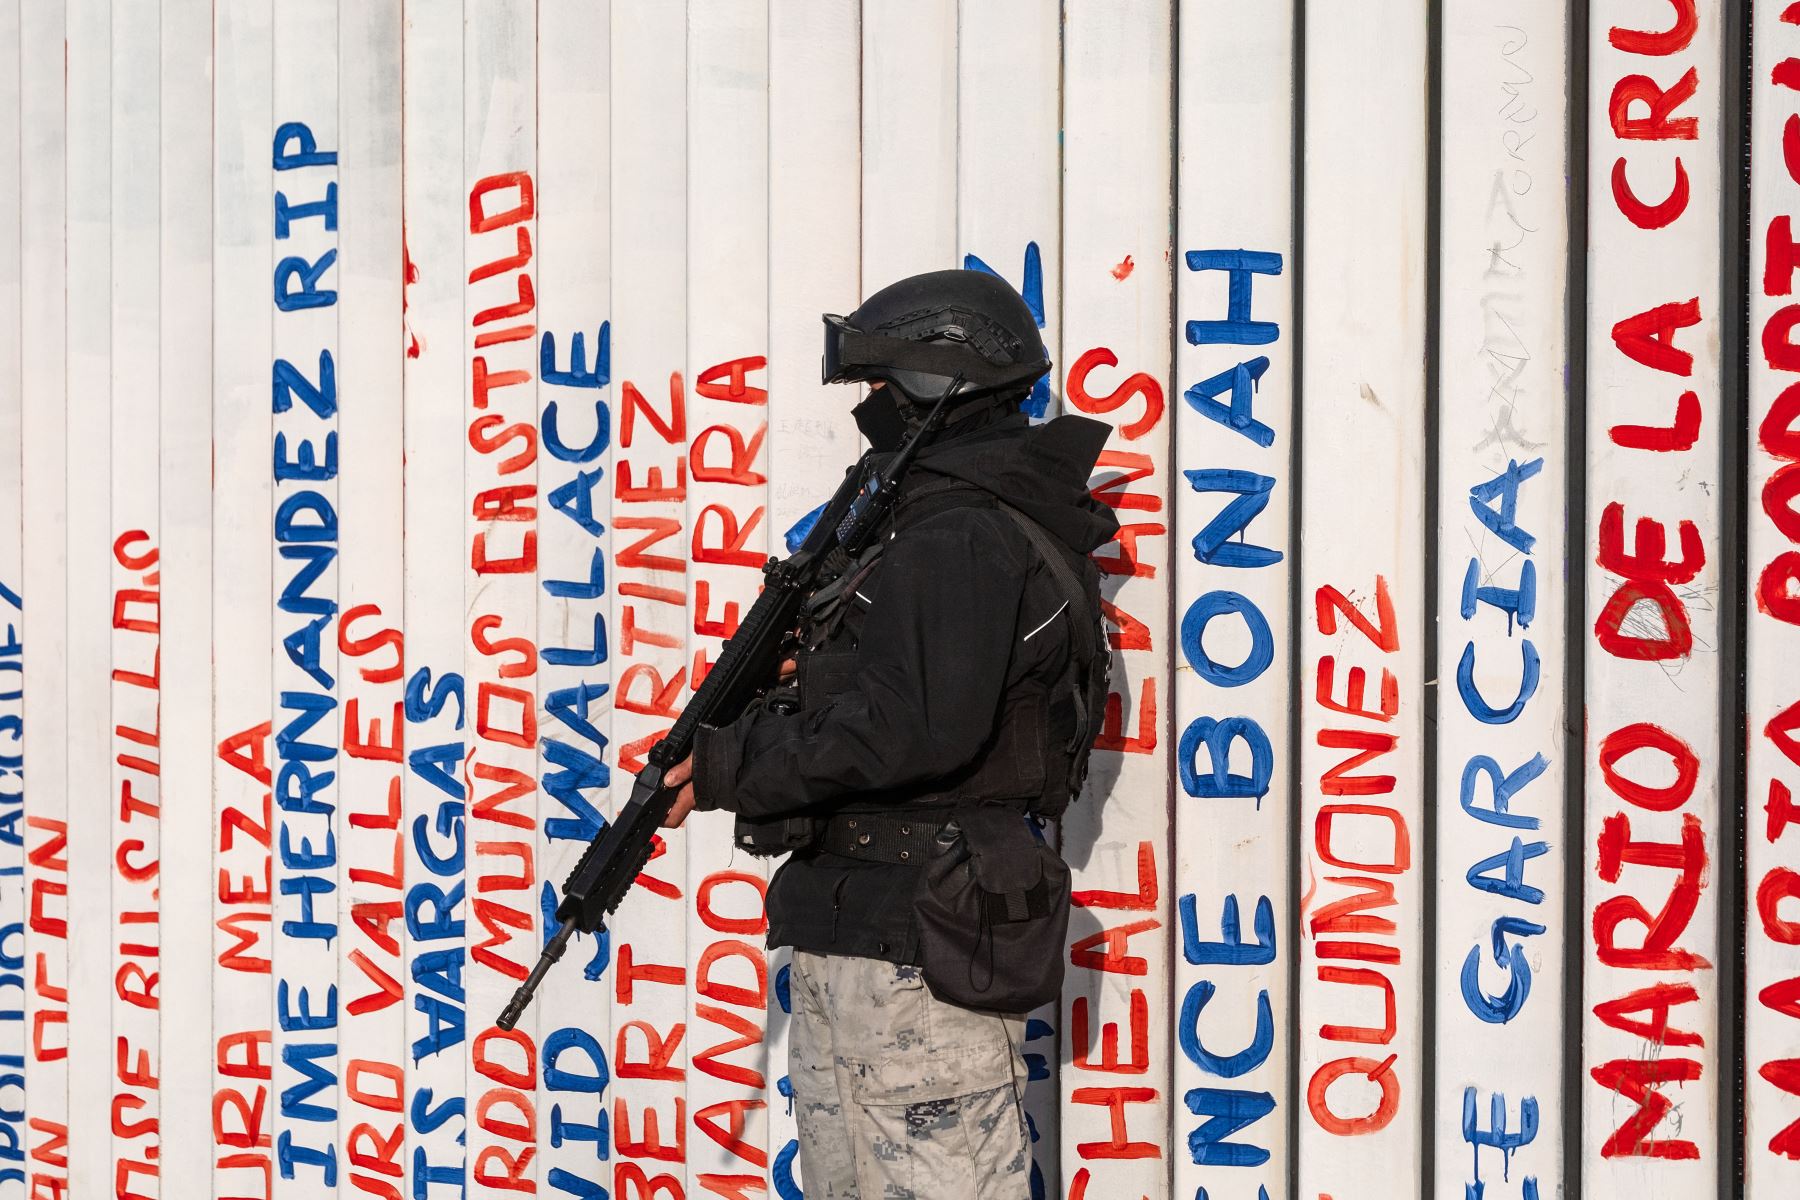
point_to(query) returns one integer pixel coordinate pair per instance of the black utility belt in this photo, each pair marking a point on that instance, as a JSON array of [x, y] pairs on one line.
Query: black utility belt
[[879, 838]]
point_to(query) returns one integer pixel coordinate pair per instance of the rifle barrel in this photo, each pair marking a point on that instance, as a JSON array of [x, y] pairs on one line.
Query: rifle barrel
[[553, 952]]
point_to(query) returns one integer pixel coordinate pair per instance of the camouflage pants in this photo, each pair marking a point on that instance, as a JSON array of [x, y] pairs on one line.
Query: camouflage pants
[[899, 1095]]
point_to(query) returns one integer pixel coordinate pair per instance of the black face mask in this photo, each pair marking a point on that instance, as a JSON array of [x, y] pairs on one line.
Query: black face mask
[[887, 423], [881, 421]]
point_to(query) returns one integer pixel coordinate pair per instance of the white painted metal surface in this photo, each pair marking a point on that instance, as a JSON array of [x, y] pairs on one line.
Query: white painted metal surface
[[1362, 600], [1501, 599], [134, 743], [1234, 444], [184, 520], [14, 1032], [372, 664], [705, 179], [500, 654], [651, 1046], [1649, 1088], [89, 659], [729, 537], [909, 87], [43, 512], [439, 705], [1771, 613], [575, 475], [1117, 178], [306, 276], [1008, 178], [243, 1096]]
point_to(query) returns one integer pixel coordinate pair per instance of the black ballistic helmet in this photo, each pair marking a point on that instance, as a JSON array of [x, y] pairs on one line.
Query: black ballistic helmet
[[922, 333]]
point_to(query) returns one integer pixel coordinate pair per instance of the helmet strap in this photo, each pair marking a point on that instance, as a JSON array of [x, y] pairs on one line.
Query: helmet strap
[[914, 411]]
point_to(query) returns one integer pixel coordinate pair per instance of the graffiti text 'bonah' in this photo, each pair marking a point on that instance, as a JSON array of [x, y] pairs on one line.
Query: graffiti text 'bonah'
[[1228, 429]]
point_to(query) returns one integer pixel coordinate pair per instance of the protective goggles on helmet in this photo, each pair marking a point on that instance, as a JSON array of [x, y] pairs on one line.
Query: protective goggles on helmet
[[834, 367], [851, 355]]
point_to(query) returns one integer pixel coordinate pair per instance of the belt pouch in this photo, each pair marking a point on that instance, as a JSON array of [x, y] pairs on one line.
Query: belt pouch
[[993, 909]]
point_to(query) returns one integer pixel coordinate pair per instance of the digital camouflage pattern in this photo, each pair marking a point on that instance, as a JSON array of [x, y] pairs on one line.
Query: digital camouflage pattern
[[900, 1095]]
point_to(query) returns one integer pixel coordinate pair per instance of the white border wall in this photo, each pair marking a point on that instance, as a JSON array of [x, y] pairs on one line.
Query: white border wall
[[184, 518], [1362, 999], [1117, 194], [1650, 991], [1502, 595], [575, 431], [1235, 284], [1234, 448], [1771, 613], [651, 1048]]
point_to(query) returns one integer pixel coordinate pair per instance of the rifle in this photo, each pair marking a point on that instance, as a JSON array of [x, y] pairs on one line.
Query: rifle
[[747, 666]]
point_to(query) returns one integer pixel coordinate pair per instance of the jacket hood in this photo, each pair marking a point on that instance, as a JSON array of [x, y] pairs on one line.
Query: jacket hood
[[1041, 470]]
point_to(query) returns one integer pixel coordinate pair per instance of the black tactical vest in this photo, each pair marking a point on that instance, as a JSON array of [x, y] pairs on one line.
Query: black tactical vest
[[1025, 761]]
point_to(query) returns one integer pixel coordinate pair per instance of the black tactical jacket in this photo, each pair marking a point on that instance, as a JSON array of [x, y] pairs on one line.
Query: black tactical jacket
[[954, 639]]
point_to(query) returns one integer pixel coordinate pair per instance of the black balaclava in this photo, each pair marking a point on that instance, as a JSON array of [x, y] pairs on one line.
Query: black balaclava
[[887, 416]]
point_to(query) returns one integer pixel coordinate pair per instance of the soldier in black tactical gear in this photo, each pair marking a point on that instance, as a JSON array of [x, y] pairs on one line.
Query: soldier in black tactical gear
[[944, 694]]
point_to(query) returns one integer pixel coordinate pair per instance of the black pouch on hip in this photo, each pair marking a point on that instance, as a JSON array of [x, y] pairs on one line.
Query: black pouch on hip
[[993, 909]]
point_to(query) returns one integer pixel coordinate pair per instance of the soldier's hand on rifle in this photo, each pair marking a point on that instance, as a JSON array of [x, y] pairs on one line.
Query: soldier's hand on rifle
[[680, 776]]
